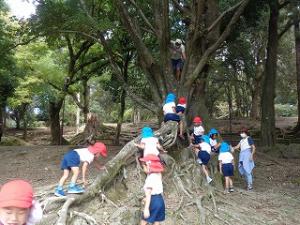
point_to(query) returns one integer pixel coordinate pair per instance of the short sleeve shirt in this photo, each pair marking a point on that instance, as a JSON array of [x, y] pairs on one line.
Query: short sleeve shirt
[[205, 147], [169, 108], [199, 130], [85, 155], [150, 145], [225, 157], [154, 181]]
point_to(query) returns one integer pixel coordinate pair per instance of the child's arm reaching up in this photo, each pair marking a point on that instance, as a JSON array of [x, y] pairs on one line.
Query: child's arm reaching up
[[160, 148], [141, 145]]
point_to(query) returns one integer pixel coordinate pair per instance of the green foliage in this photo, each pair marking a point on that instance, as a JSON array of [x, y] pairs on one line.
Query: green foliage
[[286, 110]]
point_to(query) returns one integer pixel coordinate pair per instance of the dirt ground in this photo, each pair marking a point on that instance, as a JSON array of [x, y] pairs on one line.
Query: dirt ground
[[275, 199]]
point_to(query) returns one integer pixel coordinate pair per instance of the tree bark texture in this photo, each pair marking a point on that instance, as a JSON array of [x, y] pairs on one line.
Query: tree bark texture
[[297, 48], [268, 136], [54, 110]]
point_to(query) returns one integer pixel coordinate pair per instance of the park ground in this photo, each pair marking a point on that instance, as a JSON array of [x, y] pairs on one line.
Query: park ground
[[275, 199]]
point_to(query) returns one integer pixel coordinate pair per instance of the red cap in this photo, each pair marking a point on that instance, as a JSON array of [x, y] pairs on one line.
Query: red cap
[[98, 147], [153, 162], [16, 193], [182, 100], [197, 119]]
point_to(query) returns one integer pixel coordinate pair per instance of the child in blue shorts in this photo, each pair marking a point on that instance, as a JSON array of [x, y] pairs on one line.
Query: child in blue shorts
[[180, 109], [154, 208], [203, 151], [226, 164], [71, 161], [213, 140], [197, 132]]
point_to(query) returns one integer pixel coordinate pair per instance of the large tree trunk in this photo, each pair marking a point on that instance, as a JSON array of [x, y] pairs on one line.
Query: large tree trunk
[[297, 47], [54, 110], [268, 136]]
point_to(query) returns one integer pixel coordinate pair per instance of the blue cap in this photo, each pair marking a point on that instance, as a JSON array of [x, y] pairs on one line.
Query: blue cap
[[205, 138], [213, 131], [147, 132], [170, 98], [224, 147]]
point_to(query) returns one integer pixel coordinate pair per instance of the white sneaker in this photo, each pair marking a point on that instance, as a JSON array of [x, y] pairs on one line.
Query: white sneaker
[[199, 161], [208, 180]]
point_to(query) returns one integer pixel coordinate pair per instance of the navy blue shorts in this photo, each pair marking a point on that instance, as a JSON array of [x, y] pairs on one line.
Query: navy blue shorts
[[227, 169], [157, 209], [70, 159], [204, 156], [177, 64], [172, 117], [197, 139], [180, 109]]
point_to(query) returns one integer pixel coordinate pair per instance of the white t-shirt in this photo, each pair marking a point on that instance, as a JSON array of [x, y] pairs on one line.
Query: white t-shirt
[[205, 147], [213, 142], [154, 181], [199, 130], [246, 143], [169, 108], [150, 145], [225, 157], [85, 155]]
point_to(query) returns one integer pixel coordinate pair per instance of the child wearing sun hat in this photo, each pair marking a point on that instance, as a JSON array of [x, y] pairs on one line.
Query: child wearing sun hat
[[17, 204], [71, 161], [154, 208]]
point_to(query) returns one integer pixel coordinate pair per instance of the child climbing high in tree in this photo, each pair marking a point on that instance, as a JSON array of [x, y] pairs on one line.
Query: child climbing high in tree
[[203, 151], [17, 204], [180, 109], [169, 110], [246, 157], [213, 140], [71, 161], [149, 143], [154, 208], [197, 131], [226, 165]]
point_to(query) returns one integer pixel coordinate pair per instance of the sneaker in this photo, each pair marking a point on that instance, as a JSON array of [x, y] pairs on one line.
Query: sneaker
[[208, 180], [75, 189], [59, 192], [226, 191], [199, 161], [231, 189], [249, 188]]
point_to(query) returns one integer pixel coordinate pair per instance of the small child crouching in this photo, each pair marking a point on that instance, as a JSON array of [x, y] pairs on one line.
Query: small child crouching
[[197, 131], [71, 161], [154, 208], [17, 205], [226, 164]]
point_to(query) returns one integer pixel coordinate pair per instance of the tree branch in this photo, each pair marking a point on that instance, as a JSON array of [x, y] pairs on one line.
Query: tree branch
[[216, 45], [287, 26], [180, 8]]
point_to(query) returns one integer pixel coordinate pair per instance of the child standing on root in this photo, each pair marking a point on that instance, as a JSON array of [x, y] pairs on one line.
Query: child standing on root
[[149, 143], [246, 157], [169, 110], [154, 208], [71, 161], [213, 135], [203, 151], [226, 165], [17, 205], [197, 131], [180, 109]]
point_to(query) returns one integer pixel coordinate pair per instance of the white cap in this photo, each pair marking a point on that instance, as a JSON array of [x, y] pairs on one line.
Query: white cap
[[178, 41]]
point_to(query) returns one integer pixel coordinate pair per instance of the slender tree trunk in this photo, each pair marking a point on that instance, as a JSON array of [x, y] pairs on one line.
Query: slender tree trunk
[[86, 100], [24, 110], [1, 122], [268, 136], [54, 110], [18, 119], [257, 92], [230, 108], [297, 47], [78, 115], [121, 117]]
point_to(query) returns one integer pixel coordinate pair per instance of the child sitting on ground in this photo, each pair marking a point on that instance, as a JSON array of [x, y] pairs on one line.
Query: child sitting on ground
[[149, 143], [213, 136], [154, 208], [226, 165], [17, 204], [169, 110], [197, 131], [180, 109], [71, 161], [203, 151]]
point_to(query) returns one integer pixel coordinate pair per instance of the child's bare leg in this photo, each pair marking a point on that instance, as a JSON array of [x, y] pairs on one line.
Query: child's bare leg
[[178, 74], [181, 128], [64, 177], [230, 182], [227, 182], [156, 223], [75, 171], [205, 171], [143, 222]]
